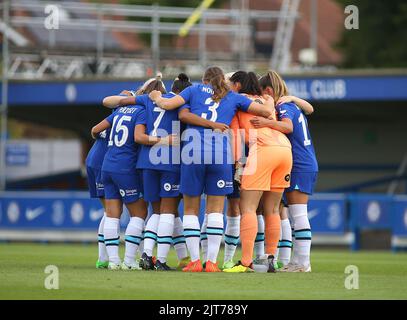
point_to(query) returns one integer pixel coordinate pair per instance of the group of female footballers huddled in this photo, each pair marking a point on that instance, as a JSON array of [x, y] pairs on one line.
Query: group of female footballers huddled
[[236, 136]]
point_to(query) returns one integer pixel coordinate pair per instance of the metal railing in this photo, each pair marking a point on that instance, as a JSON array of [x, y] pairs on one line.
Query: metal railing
[[50, 60]]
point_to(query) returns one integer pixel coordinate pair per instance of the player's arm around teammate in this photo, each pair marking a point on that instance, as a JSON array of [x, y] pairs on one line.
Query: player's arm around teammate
[[264, 110]]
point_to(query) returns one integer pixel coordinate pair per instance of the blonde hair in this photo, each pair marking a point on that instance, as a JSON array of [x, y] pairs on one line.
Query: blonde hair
[[215, 77], [273, 80]]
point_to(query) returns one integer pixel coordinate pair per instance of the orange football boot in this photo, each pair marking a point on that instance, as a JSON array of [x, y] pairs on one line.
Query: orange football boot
[[193, 266], [211, 267]]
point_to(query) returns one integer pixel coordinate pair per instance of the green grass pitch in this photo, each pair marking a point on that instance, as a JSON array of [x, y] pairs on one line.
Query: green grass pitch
[[382, 275]]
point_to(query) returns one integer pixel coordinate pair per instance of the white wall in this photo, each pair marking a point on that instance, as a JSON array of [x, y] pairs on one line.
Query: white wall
[[36, 158]]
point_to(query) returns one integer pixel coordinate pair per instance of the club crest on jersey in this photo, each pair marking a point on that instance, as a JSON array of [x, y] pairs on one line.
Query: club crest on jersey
[[103, 134], [221, 184]]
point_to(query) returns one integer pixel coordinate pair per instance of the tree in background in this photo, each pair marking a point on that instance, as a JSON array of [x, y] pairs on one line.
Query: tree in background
[[381, 41]]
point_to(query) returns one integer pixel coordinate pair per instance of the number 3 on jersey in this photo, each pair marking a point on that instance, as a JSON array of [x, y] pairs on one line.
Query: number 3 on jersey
[[118, 127], [212, 108]]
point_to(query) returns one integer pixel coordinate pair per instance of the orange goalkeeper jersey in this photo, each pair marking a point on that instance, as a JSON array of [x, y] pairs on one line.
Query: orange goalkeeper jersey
[[241, 126]]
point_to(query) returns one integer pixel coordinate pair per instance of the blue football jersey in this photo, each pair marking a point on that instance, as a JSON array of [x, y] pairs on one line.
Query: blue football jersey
[[159, 123], [122, 152], [304, 159], [97, 152], [198, 99]]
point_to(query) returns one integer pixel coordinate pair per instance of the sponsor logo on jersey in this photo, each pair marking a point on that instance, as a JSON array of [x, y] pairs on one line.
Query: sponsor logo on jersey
[[130, 193], [103, 134], [221, 184]]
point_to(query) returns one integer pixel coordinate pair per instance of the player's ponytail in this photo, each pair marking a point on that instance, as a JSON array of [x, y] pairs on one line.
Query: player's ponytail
[[159, 76], [214, 76], [153, 84], [180, 83], [274, 81]]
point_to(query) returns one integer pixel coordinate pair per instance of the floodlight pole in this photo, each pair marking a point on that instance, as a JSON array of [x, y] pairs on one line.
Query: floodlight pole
[[155, 38], [314, 26], [4, 96]]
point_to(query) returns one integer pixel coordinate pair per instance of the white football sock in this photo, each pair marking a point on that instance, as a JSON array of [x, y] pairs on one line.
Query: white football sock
[[141, 245], [112, 239], [178, 239], [278, 246], [192, 234], [133, 238], [150, 234], [101, 241], [164, 235], [214, 231], [285, 243], [232, 233], [259, 243], [302, 241], [204, 238]]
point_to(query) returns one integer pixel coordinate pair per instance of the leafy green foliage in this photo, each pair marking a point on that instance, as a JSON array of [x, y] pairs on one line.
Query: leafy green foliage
[[381, 40]]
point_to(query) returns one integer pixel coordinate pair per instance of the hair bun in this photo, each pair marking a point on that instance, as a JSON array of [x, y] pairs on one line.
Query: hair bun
[[183, 77], [159, 76]]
